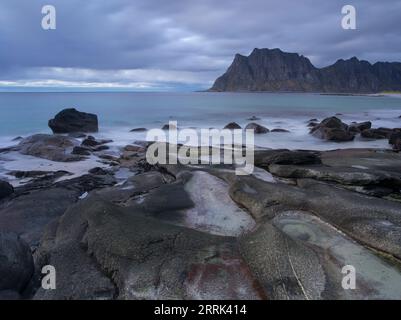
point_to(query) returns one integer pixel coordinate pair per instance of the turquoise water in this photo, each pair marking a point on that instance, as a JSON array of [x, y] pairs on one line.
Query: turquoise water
[[28, 113]]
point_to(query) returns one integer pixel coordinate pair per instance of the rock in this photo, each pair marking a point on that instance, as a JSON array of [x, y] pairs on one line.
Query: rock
[[313, 120], [98, 171], [90, 143], [312, 124], [341, 175], [359, 127], [232, 126], [77, 135], [280, 130], [71, 120], [257, 128], [6, 189], [32, 208], [16, 262], [253, 118], [380, 133], [51, 147], [17, 138], [127, 255], [132, 148], [169, 127], [333, 129], [395, 140], [285, 157], [82, 151], [138, 130], [100, 148]]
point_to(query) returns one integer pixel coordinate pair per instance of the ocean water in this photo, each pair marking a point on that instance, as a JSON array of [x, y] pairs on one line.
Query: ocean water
[[22, 114]]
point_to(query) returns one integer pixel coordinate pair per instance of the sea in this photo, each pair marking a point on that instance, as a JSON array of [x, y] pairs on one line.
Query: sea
[[24, 114]]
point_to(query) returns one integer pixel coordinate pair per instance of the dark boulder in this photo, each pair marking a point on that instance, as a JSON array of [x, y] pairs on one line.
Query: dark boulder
[[285, 157], [359, 127], [169, 127], [6, 189], [82, 151], [380, 133], [72, 120], [254, 118], [395, 140], [280, 130], [257, 128], [232, 126], [16, 262], [333, 129], [138, 130]]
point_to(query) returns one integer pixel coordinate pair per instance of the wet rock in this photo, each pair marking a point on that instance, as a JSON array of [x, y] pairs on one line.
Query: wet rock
[[280, 130], [50, 147], [359, 127], [16, 263], [82, 151], [313, 120], [132, 148], [100, 148], [257, 128], [253, 118], [265, 158], [312, 124], [17, 138], [98, 171], [77, 135], [395, 140], [232, 126], [138, 130], [380, 133], [286, 269], [169, 127], [332, 129], [71, 120], [372, 221], [6, 189], [128, 256], [347, 176]]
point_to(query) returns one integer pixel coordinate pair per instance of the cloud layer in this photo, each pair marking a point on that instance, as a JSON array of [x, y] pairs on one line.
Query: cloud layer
[[167, 45]]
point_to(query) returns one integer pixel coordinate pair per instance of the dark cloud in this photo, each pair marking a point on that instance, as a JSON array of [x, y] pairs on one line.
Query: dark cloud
[[145, 43]]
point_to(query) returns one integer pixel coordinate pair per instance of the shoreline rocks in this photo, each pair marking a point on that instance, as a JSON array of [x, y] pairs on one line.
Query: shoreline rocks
[[257, 128], [6, 189]]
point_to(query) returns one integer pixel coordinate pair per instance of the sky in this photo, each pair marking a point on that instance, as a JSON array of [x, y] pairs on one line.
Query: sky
[[178, 45]]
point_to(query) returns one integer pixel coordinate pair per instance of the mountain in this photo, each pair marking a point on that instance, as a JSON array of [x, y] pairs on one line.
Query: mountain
[[275, 70]]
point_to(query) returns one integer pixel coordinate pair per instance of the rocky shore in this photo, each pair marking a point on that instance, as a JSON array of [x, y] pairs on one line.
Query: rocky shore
[[126, 229]]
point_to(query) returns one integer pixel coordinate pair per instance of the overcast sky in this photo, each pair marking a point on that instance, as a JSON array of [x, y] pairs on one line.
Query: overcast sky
[[180, 44]]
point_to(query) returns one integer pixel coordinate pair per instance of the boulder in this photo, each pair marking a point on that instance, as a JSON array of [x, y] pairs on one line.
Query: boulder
[[138, 130], [332, 129], [6, 189], [82, 151], [280, 130], [380, 133], [395, 140], [72, 120], [253, 118], [359, 127], [285, 157], [169, 127], [16, 262], [257, 128], [50, 147], [232, 126]]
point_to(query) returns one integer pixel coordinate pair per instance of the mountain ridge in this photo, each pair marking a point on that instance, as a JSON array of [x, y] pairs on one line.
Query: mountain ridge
[[279, 71]]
